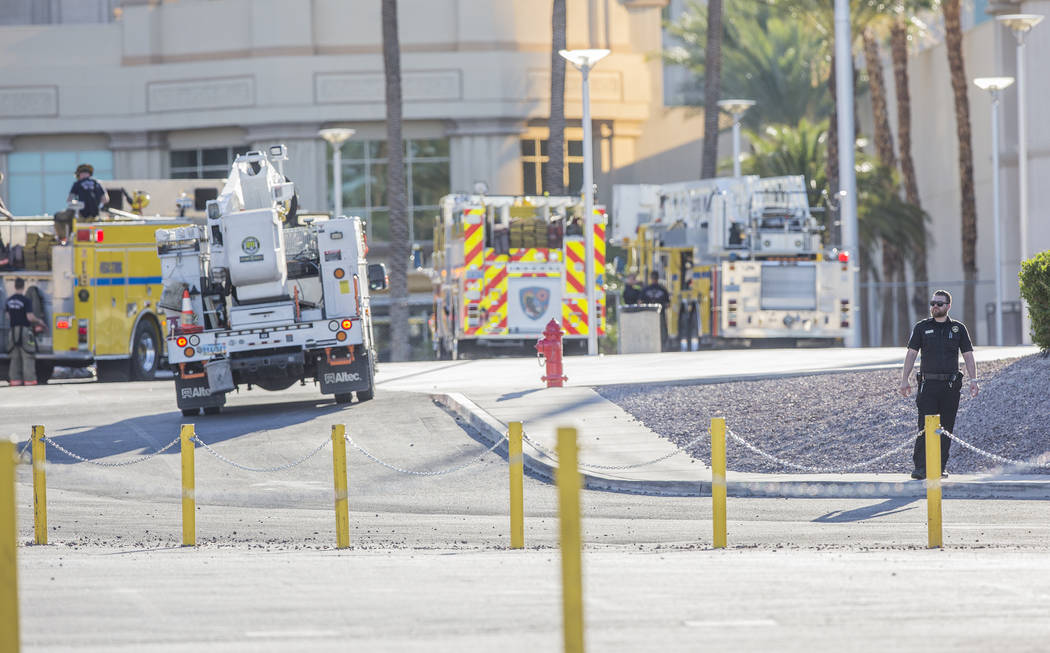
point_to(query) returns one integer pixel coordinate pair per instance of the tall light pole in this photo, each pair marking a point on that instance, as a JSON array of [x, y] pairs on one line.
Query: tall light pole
[[1021, 24], [847, 171], [336, 136], [584, 60], [995, 85], [737, 109]]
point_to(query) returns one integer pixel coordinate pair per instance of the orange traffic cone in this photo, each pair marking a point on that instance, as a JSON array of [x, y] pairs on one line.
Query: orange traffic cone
[[187, 309]]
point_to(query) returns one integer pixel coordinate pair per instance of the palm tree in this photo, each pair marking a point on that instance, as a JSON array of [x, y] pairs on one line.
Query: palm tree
[[395, 183], [899, 52], [712, 88], [776, 61], [953, 42], [554, 181]]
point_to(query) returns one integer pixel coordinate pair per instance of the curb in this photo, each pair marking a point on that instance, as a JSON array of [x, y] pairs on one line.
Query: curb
[[538, 464]]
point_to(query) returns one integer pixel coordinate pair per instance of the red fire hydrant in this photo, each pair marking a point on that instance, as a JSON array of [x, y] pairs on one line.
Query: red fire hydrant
[[549, 348]]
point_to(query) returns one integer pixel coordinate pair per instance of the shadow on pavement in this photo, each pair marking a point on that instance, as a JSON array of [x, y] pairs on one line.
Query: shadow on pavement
[[147, 433], [887, 507]]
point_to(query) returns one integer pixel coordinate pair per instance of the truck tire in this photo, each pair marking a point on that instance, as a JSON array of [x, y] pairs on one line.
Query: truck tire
[[190, 412], [145, 351], [345, 397], [212, 410], [366, 395], [113, 371]]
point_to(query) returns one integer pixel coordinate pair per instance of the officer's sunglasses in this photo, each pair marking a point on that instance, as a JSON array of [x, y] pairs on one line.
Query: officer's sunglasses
[[938, 304]]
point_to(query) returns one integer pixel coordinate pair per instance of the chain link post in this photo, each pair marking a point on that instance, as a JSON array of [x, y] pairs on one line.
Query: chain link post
[[718, 481], [39, 486], [517, 487], [189, 497], [342, 507], [933, 481], [9, 637], [568, 476]]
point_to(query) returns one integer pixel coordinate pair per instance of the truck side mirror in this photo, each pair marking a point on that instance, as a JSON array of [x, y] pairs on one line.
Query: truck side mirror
[[377, 276]]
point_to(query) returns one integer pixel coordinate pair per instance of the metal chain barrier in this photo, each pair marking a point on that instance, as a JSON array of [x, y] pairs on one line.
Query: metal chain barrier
[[437, 472], [677, 450], [818, 470], [996, 457], [247, 468], [123, 463]]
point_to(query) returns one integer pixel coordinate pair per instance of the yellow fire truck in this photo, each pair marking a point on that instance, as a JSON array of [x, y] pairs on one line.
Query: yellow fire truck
[[504, 266], [742, 257], [97, 293]]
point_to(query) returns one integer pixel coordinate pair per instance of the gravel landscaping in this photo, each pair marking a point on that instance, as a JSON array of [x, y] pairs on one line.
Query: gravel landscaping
[[839, 419]]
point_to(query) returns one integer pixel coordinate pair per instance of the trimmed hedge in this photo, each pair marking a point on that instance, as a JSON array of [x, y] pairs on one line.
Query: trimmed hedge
[[1035, 289]]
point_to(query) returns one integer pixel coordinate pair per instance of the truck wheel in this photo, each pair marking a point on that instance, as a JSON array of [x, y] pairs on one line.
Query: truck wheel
[[112, 371], [345, 397], [190, 412], [212, 410], [366, 395], [145, 351]]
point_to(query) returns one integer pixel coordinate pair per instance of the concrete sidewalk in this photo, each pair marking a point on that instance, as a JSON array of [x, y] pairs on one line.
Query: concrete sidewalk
[[619, 453]]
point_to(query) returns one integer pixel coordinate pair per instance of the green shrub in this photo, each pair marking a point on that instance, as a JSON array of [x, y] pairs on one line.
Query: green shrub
[[1035, 290]]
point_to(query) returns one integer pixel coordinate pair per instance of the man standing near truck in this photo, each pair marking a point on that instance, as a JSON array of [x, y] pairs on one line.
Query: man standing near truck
[[21, 339]]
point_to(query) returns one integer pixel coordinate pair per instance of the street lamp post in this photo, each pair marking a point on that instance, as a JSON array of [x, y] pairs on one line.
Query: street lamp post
[[584, 60], [995, 85], [737, 109], [847, 143], [1020, 25], [336, 136]]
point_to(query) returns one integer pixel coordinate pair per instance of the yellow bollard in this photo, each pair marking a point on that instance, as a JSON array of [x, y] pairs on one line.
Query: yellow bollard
[[517, 487], [9, 638], [568, 476], [39, 486], [718, 481], [342, 507], [933, 480], [189, 497]]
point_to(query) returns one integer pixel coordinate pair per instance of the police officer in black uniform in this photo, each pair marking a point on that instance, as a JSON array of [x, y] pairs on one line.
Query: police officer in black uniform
[[89, 191], [941, 340]]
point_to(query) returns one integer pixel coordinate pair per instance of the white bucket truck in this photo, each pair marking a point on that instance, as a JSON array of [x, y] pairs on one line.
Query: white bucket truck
[[253, 302]]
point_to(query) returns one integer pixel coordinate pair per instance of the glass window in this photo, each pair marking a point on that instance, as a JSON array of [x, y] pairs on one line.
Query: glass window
[[39, 182], [534, 166], [364, 184], [206, 163]]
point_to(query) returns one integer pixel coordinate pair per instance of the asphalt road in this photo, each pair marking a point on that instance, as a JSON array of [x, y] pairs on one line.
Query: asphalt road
[[428, 568]]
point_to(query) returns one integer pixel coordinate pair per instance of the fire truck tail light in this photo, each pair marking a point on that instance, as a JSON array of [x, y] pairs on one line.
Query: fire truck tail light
[[83, 235], [181, 341], [347, 323], [843, 257], [63, 323], [339, 273], [98, 236], [189, 352], [341, 336], [82, 331]]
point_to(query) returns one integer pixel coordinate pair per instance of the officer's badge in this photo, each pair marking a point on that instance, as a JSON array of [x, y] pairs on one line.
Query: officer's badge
[[955, 329]]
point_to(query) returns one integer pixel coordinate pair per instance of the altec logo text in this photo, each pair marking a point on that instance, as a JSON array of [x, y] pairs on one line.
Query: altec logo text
[[341, 377], [191, 393]]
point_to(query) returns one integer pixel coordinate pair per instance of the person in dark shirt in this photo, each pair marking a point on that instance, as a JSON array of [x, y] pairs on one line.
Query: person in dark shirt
[[21, 339], [632, 290], [88, 191], [655, 293], [941, 340]]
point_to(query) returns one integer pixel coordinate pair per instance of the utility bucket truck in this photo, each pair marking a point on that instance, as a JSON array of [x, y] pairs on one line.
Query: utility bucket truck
[[251, 302], [743, 259]]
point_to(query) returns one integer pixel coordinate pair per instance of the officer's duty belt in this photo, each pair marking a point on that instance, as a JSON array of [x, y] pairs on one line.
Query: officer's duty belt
[[936, 377]]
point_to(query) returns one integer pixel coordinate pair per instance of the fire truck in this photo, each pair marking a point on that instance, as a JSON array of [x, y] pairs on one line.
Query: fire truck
[[253, 301], [743, 259], [95, 283], [504, 266]]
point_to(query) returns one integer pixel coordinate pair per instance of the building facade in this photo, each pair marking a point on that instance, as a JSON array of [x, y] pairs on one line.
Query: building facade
[[149, 89]]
